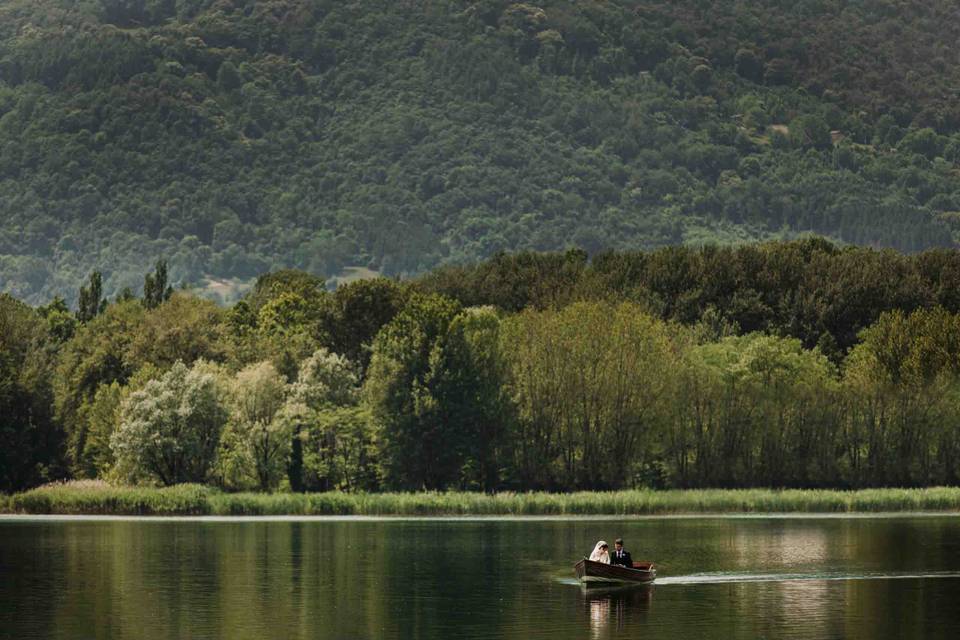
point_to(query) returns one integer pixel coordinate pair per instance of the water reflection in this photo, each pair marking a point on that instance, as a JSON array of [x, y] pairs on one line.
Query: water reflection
[[476, 579], [786, 546], [807, 603], [615, 608]]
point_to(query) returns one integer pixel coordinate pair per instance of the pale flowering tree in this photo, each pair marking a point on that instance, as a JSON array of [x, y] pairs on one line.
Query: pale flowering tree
[[170, 430]]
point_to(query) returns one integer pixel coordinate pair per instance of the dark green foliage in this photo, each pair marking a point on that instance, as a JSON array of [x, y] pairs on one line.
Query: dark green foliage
[[357, 312], [156, 291], [749, 65], [60, 322], [233, 138], [116, 344], [810, 131], [91, 302], [412, 390], [512, 282], [810, 289], [479, 400], [30, 440]]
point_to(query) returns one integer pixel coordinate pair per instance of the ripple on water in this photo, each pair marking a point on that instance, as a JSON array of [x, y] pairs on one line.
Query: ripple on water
[[724, 578]]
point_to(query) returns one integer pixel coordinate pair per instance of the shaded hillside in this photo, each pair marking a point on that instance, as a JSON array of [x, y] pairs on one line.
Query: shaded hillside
[[887, 57], [234, 136]]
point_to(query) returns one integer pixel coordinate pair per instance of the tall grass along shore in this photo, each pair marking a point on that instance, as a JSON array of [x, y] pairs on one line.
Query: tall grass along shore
[[94, 497]]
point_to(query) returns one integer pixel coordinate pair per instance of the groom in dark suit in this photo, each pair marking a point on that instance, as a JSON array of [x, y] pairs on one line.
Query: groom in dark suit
[[620, 556]]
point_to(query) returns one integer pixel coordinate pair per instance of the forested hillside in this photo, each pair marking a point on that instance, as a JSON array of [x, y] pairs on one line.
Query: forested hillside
[[232, 137]]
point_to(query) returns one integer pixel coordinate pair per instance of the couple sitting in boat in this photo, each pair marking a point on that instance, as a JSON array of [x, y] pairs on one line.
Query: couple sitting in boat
[[620, 556]]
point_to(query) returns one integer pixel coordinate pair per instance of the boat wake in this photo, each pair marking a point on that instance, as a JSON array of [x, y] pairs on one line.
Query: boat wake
[[724, 578]]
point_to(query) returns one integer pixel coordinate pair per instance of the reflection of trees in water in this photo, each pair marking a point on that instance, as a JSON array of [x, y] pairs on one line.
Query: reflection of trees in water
[[788, 547], [783, 545], [616, 608]]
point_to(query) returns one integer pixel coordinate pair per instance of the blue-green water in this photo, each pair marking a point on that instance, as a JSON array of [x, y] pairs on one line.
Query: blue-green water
[[804, 577]]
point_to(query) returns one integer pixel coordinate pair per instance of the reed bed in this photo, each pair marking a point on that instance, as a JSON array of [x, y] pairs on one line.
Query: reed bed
[[100, 498], [94, 497]]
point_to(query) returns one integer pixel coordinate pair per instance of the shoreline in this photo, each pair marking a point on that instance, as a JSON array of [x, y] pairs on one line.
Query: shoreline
[[7, 518], [87, 498]]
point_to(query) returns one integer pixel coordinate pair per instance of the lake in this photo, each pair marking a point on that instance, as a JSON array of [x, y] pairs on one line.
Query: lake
[[719, 577]]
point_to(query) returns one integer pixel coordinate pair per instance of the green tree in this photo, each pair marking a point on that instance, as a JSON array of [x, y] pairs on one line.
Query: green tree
[[31, 444], [228, 78], [97, 354], [422, 444], [898, 382], [749, 65], [810, 131], [326, 378], [358, 310], [481, 404], [339, 447], [102, 418], [156, 291], [589, 382], [291, 281], [185, 328], [754, 410], [61, 324], [256, 443], [924, 142], [91, 303], [334, 444], [289, 329]]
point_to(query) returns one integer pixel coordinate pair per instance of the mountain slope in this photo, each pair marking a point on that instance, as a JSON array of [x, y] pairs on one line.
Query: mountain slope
[[235, 136]]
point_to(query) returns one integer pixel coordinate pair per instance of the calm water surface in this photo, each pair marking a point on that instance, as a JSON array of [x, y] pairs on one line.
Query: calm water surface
[[894, 577]]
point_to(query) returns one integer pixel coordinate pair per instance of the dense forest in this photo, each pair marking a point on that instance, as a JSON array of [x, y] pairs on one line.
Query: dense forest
[[235, 137], [797, 364]]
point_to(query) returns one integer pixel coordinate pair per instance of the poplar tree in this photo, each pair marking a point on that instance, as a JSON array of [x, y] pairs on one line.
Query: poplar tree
[[91, 302], [156, 291]]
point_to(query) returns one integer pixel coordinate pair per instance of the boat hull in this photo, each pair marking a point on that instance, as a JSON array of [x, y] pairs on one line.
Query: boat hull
[[590, 572]]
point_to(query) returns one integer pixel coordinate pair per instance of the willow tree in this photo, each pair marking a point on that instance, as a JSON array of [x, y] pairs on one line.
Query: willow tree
[[590, 383], [170, 430]]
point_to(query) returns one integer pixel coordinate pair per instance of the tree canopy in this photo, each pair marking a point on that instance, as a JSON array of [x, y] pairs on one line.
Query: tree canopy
[[787, 364]]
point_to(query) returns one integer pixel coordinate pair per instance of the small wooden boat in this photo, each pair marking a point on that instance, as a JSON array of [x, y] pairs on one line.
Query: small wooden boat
[[589, 571]]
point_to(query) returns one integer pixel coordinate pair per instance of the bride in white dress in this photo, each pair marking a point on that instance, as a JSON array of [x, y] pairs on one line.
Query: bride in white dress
[[601, 553]]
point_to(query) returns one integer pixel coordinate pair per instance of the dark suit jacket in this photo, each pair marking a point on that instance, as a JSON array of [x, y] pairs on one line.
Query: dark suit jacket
[[625, 561]]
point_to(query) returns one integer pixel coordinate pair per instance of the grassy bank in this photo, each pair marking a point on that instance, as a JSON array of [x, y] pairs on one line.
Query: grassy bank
[[101, 498]]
